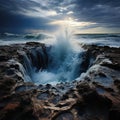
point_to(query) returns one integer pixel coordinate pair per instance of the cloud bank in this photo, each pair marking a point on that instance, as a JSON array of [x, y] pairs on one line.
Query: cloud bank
[[19, 16]]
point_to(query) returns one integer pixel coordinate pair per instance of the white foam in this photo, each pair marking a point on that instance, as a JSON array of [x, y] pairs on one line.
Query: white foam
[[64, 61]]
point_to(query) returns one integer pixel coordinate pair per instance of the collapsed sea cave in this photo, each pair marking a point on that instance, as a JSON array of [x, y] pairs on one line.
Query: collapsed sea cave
[[46, 84], [44, 66]]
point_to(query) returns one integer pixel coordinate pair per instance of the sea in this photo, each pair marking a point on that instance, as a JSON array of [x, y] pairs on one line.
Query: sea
[[111, 40]]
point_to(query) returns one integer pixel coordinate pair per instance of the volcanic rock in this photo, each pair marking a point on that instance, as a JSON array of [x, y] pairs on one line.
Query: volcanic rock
[[95, 96]]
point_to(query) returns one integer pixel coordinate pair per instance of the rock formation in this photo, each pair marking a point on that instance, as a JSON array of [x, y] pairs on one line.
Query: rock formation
[[95, 96]]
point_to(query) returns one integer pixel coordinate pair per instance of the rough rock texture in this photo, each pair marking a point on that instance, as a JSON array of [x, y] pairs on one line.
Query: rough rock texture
[[96, 96]]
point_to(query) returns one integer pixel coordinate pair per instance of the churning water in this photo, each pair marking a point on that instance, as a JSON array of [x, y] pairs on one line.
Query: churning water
[[63, 62]]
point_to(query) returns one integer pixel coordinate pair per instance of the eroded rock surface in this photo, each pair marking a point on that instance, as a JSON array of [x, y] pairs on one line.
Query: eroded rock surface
[[94, 96]]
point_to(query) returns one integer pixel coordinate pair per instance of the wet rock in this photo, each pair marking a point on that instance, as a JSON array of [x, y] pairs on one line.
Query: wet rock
[[43, 96], [114, 113], [64, 116], [115, 66], [6, 86], [85, 62], [93, 97], [35, 44], [55, 99], [3, 58], [10, 71], [87, 99], [83, 87], [25, 87], [17, 111], [100, 90], [102, 74]]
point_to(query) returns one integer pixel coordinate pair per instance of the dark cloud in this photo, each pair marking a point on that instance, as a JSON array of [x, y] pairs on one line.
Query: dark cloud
[[13, 20], [20, 23], [21, 15], [106, 12]]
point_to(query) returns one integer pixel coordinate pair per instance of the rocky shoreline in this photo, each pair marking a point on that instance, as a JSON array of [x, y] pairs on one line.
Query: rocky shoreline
[[96, 96]]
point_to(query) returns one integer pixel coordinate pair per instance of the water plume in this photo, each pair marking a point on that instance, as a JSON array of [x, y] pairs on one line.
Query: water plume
[[63, 61]]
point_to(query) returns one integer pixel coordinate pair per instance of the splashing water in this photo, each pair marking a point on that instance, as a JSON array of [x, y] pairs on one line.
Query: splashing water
[[64, 61]]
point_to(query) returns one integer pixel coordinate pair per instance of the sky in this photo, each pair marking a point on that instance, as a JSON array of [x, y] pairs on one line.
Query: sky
[[83, 16]]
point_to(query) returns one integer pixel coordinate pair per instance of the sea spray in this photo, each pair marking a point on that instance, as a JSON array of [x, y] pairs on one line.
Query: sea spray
[[64, 61], [62, 48]]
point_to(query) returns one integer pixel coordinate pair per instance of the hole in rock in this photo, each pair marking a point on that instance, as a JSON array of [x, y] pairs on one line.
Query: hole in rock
[[64, 61]]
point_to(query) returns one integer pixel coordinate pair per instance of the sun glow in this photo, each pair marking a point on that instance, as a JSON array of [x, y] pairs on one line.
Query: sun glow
[[71, 22]]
